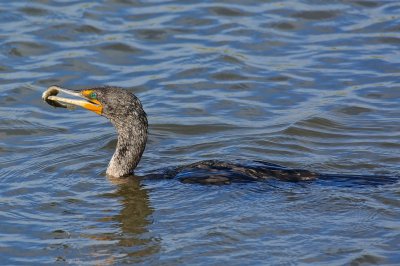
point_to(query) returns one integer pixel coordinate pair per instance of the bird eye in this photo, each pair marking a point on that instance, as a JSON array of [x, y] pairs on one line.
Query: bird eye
[[93, 95]]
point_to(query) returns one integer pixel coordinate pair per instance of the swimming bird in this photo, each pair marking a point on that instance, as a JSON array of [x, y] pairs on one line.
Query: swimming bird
[[126, 113]]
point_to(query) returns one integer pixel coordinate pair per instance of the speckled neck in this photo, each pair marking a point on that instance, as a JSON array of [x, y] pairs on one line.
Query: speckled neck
[[132, 137]]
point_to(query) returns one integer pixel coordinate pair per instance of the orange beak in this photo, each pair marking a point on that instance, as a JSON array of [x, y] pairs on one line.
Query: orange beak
[[90, 104]]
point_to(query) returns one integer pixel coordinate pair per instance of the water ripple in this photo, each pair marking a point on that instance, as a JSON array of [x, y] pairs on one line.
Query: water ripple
[[305, 84]]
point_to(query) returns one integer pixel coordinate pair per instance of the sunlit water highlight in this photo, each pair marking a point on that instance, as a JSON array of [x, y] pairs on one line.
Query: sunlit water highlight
[[305, 84]]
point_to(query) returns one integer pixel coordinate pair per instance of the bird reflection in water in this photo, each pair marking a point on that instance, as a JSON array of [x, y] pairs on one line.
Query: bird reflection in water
[[132, 239]]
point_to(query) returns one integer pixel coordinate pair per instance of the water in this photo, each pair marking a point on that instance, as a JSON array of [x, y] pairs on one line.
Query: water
[[305, 84]]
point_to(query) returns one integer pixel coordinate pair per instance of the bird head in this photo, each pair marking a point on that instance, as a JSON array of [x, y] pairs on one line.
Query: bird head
[[111, 102]]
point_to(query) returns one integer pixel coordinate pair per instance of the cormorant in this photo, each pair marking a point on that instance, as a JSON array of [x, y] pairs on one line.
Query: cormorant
[[126, 113]]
